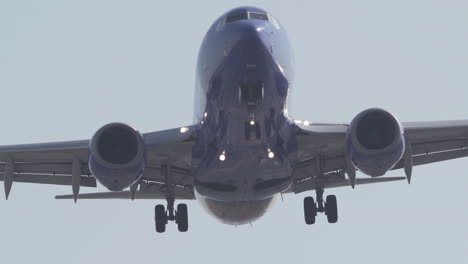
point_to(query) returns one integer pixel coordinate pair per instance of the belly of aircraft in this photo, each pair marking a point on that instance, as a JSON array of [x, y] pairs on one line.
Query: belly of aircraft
[[239, 189], [236, 212], [243, 174]]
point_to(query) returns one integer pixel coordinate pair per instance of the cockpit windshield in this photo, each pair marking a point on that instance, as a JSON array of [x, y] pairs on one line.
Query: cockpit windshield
[[246, 15], [236, 17], [261, 16]]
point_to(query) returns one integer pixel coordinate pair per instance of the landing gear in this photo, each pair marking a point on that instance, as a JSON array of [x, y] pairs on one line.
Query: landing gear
[[329, 207], [310, 210], [162, 217], [182, 217]]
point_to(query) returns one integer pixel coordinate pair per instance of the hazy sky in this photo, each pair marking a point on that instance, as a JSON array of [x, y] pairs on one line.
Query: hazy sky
[[69, 67]]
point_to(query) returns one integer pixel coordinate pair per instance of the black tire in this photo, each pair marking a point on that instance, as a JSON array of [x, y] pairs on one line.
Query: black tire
[[160, 217], [331, 208], [310, 211], [182, 217]]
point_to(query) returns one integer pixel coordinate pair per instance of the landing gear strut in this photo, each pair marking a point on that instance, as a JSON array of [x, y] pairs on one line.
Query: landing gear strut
[[179, 216], [312, 208], [163, 216]]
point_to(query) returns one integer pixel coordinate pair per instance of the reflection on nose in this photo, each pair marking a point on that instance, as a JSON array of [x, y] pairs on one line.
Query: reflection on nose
[[249, 28], [251, 35]]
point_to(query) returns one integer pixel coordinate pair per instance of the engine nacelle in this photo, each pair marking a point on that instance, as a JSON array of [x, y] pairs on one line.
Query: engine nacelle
[[375, 141], [117, 157]]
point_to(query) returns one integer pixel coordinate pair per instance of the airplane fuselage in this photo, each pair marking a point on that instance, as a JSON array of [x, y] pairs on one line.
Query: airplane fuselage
[[242, 156]]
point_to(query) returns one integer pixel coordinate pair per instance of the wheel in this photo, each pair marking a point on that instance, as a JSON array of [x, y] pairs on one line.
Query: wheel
[[182, 217], [331, 209], [310, 211], [160, 217]]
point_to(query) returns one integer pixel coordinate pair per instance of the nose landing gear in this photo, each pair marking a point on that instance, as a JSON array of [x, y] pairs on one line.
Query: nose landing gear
[[312, 208]]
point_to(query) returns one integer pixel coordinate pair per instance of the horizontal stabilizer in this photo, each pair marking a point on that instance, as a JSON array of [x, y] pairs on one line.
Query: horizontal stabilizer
[[362, 181], [335, 182], [113, 195], [151, 191], [50, 179]]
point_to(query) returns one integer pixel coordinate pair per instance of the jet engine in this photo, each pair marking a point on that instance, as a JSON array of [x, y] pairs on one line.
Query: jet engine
[[375, 141], [117, 157]]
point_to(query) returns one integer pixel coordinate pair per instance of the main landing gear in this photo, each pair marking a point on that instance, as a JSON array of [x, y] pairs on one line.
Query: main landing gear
[[163, 216], [329, 207]]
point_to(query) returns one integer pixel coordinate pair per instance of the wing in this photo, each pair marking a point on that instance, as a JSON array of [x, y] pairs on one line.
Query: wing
[[52, 163], [322, 150]]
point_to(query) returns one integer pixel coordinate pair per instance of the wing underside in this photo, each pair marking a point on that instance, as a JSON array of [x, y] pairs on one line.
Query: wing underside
[[322, 157], [52, 163], [322, 160]]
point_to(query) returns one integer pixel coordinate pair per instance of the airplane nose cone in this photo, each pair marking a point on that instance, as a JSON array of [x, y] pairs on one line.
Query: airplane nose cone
[[251, 36], [251, 29]]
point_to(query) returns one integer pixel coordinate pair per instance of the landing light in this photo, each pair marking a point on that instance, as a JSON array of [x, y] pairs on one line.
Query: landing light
[[306, 123], [271, 154], [252, 122], [205, 114], [222, 157], [184, 129]]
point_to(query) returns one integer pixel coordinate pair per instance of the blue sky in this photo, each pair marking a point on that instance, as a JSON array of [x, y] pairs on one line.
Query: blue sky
[[69, 67]]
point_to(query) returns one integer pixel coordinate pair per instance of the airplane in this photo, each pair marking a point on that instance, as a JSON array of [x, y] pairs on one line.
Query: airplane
[[243, 149]]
